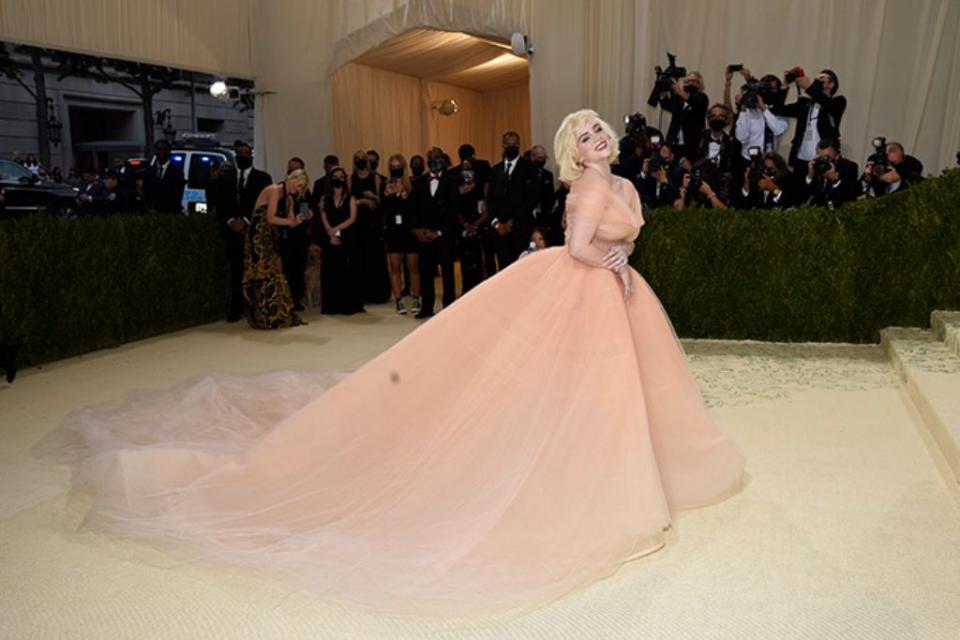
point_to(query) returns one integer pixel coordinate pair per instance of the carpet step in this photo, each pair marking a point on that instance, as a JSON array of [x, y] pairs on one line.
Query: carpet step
[[930, 371]]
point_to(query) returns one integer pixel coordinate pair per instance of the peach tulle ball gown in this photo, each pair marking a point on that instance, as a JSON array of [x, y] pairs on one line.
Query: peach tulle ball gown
[[525, 442]]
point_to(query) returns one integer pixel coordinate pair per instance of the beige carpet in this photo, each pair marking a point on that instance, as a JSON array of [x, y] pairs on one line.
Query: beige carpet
[[847, 527]]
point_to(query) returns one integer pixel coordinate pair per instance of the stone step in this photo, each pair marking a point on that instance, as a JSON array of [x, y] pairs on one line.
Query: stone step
[[946, 326], [930, 371]]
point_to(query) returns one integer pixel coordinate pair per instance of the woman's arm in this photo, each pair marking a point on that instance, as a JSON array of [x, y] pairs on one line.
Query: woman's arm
[[273, 203], [582, 228]]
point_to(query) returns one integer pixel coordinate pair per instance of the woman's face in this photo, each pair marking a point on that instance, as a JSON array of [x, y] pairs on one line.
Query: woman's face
[[593, 144], [538, 240], [339, 175]]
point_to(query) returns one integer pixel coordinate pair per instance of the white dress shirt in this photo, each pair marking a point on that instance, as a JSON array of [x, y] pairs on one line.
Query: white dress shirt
[[751, 124]]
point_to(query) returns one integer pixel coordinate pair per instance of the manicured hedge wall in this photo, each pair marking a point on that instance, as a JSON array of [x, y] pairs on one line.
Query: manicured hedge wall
[[68, 287], [808, 274]]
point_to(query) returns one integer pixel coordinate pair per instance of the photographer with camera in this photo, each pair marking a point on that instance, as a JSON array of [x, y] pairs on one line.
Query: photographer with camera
[[681, 94], [757, 126], [767, 183], [639, 144], [661, 176], [818, 115], [889, 169], [831, 179], [703, 186], [718, 146]]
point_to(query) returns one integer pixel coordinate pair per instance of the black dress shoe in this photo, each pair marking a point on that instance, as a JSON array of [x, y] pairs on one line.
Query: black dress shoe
[[8, 362], [422, 315], [234, 318]]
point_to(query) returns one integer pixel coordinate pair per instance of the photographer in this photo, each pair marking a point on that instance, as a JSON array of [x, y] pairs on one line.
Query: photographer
[[701, 186], [757, 126], [766, 183], [639, 144], [818, 115], [831, 179], [661, 175], [890, 170], [687, 104], [717, 146]]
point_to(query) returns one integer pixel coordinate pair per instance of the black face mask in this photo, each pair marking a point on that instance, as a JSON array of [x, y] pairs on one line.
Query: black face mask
[[436, 166], [416, 170], [718, 125], [511, 152], [689, 88], [396, 173], [244, 162], [360, 164], [373, 165], [539, 164], [338, 183]]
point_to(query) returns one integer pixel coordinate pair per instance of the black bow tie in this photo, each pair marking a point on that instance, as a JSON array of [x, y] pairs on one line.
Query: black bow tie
[[433, 177]]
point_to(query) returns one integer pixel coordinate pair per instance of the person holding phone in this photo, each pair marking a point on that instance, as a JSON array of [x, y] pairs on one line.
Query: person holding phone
[[294, 241], [266, 293]]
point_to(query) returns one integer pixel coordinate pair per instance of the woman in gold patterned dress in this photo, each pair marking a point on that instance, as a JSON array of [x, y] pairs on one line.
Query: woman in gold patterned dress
[[266, 293]]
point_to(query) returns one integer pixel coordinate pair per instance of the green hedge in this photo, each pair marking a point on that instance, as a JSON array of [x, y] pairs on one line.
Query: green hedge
[[68, 287], [808, 274]]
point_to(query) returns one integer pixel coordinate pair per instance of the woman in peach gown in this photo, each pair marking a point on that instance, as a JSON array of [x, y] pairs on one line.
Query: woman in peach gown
[[447, 475]]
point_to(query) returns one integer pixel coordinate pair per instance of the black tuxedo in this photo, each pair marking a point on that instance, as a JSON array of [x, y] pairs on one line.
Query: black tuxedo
[[436, 212], [823, 193], [543, 210], [512, 199], [229, 202], [688, 116], [164, 194], [828, 120]]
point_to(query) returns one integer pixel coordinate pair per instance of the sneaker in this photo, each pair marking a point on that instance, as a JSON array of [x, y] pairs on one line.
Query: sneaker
[[415, 307], [401, 308]]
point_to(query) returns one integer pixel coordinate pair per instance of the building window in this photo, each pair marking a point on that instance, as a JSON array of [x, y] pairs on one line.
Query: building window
[[209, 125]]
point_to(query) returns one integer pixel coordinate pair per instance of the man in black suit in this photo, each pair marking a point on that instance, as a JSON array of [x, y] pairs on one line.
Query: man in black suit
[[512, 198], [233, 195], [895, 172], [543, 210], [687, 104], [818, 117], [831, 180], [436, 202], [164, 183], [767, 184]]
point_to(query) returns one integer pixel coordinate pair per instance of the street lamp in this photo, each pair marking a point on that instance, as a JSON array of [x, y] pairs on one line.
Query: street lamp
[[54, 128]]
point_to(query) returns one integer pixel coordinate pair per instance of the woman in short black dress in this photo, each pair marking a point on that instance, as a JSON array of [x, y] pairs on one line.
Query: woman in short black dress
[[398, 234]]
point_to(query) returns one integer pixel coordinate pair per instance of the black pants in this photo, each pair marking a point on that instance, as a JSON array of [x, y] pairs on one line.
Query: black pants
[[510, 246], [293, 252], [471, 262], [437, 252], [234, 249]]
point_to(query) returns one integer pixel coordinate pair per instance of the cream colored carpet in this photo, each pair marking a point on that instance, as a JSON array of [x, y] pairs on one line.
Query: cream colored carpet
[[847, 527]]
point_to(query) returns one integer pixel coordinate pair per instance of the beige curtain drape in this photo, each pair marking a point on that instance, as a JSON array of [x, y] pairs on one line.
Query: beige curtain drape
[[395, 113]]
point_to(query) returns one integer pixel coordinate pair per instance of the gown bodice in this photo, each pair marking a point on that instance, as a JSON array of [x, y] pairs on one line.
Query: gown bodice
[[616, 220]]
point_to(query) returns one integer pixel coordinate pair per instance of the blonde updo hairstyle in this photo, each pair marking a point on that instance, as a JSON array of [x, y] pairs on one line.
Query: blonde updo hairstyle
[[565, 143], [298, 176]]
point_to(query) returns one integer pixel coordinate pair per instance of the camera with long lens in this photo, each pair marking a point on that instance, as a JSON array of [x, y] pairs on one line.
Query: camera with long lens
[[793, 74], [665, 78], [879, 157], [657, 162], [756, 168], [752, 91], [822, 165], [696, 181]]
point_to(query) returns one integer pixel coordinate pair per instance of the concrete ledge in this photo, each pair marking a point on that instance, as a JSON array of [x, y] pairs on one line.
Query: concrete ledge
[[930, 371], [946, 326]]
